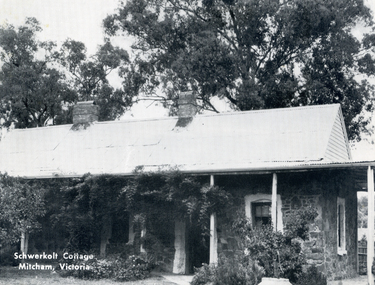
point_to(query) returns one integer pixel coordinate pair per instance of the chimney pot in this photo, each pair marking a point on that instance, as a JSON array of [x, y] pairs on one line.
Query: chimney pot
[[85, 112]]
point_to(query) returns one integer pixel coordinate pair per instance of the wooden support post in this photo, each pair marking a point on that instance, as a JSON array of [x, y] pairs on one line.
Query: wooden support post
[[212, 180], [274, 202], [213, 239], [213, 232], [370, 225], [179, 261]]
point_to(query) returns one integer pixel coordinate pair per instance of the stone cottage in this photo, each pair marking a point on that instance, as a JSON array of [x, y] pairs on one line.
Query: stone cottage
[[280, 159]]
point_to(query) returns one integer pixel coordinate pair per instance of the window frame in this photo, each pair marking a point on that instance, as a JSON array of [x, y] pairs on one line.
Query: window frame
[[264, 198], [341, 226]]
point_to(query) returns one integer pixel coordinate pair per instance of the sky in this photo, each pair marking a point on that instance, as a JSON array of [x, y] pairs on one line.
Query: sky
[[81, 20]]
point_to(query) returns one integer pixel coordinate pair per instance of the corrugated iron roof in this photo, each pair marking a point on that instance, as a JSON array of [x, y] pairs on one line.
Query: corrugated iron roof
[[210, 143]]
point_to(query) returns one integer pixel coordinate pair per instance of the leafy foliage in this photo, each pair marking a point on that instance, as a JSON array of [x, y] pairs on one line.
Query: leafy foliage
[[133, 268], [255, 54], [297, 223], [54, 233], [90, 205], [204, 275], [88, 76], [239, 269], [114, 267], [263, 253], [280, 254], [312, 277], [32, 90], [362, 211], [21, 204], [39, 85], [185, 196]]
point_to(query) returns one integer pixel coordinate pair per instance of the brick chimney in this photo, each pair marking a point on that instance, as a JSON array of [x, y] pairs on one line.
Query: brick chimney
[[187, 108], [187, 105], [85, 112]]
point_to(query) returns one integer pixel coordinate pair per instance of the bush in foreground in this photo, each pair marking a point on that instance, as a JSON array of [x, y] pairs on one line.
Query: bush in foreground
[[239, 270], [265, 253], [312, 277], [115, 268]]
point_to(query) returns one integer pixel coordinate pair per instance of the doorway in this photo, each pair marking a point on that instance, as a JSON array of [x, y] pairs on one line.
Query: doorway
[[198, 250]]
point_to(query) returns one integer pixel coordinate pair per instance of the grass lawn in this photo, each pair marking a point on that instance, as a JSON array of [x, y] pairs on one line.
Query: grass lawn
[[13, 276]]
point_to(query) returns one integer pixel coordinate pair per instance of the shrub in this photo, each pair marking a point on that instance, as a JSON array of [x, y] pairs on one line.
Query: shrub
[[115, 268], [312, 277], [263, 252], [131, 269], [203, 275], [6, 255], [100, 269], [298, 221], [237, 270], [279, 255]]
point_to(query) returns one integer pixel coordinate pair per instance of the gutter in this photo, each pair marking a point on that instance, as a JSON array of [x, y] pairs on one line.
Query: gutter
[[257, 170]]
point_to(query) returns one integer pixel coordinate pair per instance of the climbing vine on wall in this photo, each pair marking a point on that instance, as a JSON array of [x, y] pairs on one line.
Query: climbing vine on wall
[[91, 205], [187, 197], [83, 214]]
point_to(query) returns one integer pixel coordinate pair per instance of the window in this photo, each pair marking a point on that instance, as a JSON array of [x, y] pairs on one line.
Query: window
[[261, 213], [258, 210], [341, 237]]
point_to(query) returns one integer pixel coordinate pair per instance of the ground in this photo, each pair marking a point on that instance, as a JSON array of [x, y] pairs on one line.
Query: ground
[[14, 276], [361, 280]]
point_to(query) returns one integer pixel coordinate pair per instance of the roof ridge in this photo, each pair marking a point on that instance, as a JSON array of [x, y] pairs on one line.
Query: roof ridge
[[284, 109], [40, 128]]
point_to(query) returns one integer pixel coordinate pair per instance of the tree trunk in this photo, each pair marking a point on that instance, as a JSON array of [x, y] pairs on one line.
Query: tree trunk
[[105, 235], [131, 229], [24, 242]]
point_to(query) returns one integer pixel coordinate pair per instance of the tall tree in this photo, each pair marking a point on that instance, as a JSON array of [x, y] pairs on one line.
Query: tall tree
[[89, 76], [32, 91], [257, 54]]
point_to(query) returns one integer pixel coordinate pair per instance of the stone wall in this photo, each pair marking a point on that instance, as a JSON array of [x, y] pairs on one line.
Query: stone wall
[[240, 186], [318, 189], [314, 247], [340, 266]]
